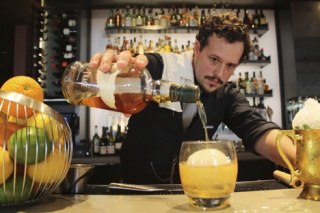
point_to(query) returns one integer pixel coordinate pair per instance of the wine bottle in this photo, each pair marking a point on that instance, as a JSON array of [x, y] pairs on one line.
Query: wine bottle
[[104, 141], [128, 90], [96, 142], [118, 139], [111, 143]]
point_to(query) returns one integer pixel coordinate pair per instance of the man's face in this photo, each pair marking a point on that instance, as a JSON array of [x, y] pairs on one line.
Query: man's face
[[216, 62]]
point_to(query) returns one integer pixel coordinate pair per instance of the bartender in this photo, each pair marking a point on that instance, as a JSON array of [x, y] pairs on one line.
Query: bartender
[[149, 153]]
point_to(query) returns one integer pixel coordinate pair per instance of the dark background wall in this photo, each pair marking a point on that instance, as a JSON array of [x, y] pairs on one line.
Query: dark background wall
[[306, 34], [15, 36]]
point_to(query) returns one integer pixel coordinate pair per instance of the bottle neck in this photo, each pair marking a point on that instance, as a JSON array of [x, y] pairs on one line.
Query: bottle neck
[[165, 91]]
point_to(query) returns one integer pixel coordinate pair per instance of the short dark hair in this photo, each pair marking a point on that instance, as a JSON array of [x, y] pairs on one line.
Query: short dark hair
[[227, 26]]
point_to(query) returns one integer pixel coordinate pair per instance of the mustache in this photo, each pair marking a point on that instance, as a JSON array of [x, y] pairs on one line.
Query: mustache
[[214, 78]]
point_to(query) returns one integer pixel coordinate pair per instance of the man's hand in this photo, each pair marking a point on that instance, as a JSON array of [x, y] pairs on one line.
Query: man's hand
[[104, 61]]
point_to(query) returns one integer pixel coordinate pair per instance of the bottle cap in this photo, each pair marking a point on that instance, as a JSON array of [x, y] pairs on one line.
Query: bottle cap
[[186, 93]]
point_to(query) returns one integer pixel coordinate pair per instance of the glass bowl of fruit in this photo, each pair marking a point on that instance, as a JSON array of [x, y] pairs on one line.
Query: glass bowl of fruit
[[35, 149]]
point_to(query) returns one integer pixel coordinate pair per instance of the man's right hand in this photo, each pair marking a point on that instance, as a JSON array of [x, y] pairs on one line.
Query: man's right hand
[[104, 61]]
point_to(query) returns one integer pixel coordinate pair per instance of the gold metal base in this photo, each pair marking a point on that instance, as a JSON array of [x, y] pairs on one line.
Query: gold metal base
[[310, 192]]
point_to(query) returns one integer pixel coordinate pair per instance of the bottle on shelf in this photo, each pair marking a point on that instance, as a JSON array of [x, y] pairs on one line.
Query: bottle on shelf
[[134, 17], [262, 109], [118, 139], [111, 143], [117, 18], [128, 90], [263, 19], [104, 141], [246, 19], [247, 83], [260, 86], [254, 83], [110, 22], [95, 142], [139, 20], [149, 19], [255, 19], [240, 84], [127, 19], [203, 17]]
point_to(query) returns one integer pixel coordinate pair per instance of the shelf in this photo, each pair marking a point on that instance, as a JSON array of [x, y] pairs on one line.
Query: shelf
[[260, 63], [150, 28], [258, 96], [259, 30]]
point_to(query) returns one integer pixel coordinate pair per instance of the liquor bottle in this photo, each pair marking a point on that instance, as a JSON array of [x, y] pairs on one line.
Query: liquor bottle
[[124, 44], [263, 19], [117, 18], [125, 90], [123, 17], [104, 141], [254, 83], [127, 19], [144, 15], [111, 144], [149, 19], [134, 17], [240, 84], [163, 20], [260, 79], [247, 83], [255, 19], [203, 17], [173, 19], [118, 139], [156, 19], [110, 20], [139, 21], [246, 19], [96, 142], [261, 55], [262, 109], [254, 105]]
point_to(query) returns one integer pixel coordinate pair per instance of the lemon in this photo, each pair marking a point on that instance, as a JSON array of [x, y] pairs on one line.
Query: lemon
[[53, 127], [51, 170], [20, 121], [6, 165]]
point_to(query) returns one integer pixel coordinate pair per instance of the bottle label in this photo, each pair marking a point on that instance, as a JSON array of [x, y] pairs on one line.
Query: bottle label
[[96, 146], [103, 150], [111, 149], [118, 145], [106, 83]]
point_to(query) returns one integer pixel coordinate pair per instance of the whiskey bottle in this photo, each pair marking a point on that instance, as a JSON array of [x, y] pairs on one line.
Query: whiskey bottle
[[127, 90]]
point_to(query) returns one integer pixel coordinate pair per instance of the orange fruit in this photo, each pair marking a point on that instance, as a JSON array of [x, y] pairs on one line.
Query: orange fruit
[[24, 85], [6, 130]]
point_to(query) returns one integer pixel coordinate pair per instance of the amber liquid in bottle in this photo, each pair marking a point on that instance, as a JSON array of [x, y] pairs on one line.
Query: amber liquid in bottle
[[127, 91]]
